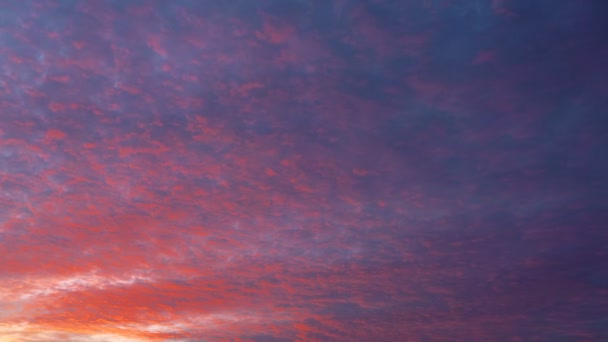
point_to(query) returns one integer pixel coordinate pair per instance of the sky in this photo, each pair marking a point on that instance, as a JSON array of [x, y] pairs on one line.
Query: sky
[[303, 170]]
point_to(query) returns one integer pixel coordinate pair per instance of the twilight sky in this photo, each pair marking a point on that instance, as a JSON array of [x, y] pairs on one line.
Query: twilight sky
[[303, 170]]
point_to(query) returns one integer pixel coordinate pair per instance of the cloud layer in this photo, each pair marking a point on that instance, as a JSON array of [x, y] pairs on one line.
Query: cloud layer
[[303, 171]]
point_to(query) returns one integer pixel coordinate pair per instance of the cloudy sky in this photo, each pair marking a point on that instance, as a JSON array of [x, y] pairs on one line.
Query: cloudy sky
[[304, 170]]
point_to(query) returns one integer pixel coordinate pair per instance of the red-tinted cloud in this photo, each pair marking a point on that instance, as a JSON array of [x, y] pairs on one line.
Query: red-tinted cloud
[[280, 171]]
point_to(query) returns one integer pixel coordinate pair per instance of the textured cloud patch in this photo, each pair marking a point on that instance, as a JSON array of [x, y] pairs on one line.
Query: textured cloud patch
[[302, 171]]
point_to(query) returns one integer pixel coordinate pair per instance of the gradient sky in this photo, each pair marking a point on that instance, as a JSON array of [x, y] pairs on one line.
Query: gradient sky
[[303, 170]]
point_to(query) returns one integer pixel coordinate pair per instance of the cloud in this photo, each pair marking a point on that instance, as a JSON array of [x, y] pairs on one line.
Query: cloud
[[377, 171]]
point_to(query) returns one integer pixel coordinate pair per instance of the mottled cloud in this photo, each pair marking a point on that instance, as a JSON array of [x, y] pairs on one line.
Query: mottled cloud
[[302, 171]]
